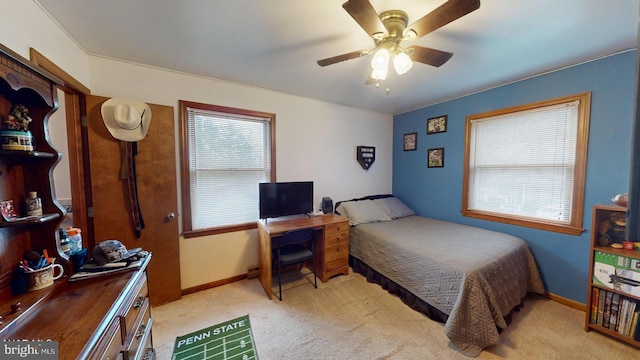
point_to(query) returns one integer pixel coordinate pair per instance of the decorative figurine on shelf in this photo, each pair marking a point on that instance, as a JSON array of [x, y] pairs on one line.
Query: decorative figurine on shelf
[[7, 210], [15, 134], [18, 118], [612, 230]]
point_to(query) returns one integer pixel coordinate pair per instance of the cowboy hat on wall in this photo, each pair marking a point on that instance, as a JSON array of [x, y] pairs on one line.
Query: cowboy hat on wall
[[126, 119]]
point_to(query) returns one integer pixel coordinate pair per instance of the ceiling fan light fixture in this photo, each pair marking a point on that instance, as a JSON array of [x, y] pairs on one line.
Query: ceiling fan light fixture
[[379, 74], [402, 63], [380, 59]]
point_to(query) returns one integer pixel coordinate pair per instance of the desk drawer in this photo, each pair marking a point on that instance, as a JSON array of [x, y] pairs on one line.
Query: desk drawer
[[336, 255], [335, 233]]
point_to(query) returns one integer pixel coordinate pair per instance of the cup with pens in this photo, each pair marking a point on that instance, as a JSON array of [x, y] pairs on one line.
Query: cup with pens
[[40, 270]]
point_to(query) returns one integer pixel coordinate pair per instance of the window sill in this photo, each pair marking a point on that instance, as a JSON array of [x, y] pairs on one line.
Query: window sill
[[526, 222], [219, 230]]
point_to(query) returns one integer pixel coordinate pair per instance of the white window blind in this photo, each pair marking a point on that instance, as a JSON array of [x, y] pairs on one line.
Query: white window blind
[[523, 163], [229, 154]]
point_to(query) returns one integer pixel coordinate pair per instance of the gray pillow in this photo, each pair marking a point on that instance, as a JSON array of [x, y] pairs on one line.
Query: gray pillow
[[363, 211], [394, 207]]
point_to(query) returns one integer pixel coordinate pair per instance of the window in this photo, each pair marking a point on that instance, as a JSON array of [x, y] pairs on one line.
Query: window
[[526, 165], [226, 152]]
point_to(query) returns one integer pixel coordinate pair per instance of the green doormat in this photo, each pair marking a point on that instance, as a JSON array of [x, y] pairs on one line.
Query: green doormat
[[230, 340]]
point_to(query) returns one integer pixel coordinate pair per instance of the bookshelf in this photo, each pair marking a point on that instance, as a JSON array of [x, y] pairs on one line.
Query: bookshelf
[[613, 290]]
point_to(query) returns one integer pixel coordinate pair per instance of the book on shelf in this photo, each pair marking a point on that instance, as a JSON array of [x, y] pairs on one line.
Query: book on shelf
[[635, 325], [631, 325], [601, 296], [616, 312], [635, 333], [623, 314], [607, 309], [613, 316], [595, 292], [630, 311]]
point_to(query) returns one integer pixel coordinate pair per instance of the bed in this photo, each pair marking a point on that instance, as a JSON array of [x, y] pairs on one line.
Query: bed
[[469, 278]]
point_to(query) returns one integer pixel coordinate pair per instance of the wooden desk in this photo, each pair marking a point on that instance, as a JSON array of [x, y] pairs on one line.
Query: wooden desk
[[331, 246]]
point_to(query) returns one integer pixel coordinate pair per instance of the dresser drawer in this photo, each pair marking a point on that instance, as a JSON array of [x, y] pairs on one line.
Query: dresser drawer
[[148, 352], [110, 344], [139, 338], [335, 233], [336, 255], [133, 305]]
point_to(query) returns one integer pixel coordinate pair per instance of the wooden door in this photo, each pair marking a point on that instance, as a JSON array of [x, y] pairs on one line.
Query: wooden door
[[157, 194]]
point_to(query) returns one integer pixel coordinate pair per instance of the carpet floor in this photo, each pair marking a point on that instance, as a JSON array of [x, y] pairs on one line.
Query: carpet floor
[[349, 318]]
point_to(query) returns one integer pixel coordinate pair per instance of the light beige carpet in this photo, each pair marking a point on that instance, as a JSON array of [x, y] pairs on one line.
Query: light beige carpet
[[348, 318]]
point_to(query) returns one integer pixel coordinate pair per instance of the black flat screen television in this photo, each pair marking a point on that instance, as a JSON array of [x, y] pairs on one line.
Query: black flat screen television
[[285, 198]]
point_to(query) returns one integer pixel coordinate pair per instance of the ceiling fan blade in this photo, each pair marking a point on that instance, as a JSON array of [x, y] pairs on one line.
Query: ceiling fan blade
[[340, 58], [444, 14], [365, 15], [429, 56]]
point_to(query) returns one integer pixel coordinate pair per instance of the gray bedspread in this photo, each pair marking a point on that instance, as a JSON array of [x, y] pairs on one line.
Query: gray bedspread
[[473, 275]]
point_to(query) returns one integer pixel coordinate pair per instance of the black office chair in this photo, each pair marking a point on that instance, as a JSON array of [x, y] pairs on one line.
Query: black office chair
[[295, 247]]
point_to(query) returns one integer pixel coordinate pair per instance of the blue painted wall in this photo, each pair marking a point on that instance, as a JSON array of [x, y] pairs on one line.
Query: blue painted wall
[[437, 192]]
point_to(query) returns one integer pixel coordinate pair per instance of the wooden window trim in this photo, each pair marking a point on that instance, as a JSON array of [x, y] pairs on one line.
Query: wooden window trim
[[187, 231], [575, 226]]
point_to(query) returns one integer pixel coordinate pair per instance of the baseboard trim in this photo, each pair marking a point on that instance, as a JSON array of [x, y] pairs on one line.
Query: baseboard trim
[[213, 284], [551, 296], [568, 302]]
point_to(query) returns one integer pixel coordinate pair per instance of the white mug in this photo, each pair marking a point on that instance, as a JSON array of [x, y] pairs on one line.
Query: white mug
[[42, 278]]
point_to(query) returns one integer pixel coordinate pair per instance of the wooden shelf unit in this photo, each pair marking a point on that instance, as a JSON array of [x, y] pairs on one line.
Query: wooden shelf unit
[[105, 317], [601, 213], [21, 82]]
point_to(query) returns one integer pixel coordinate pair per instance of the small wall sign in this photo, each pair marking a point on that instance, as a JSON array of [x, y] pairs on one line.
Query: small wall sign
[[366, 155]]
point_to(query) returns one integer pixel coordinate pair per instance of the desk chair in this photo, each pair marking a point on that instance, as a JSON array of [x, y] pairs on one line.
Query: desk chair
[[290, 249]]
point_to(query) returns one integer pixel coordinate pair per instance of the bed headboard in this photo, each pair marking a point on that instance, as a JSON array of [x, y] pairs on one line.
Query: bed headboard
[[369, 197]]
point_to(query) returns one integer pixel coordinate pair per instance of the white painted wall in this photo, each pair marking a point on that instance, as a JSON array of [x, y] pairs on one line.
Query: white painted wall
[[58, 138], [24, 25], [315, 140]]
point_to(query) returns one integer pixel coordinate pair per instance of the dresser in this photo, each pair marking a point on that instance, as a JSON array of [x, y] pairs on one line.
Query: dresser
[[106, 317], [331, 251]]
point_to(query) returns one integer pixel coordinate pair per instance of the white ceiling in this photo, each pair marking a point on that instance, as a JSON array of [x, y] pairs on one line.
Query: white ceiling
[[274, 44]]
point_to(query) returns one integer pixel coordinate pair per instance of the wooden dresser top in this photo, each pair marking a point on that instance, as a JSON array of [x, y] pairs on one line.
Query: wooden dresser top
[[73, 313]]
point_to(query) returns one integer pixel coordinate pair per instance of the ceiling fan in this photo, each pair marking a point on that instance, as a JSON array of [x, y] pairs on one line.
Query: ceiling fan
[[389, 29]]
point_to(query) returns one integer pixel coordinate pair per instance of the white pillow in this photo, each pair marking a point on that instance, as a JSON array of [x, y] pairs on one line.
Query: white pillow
[[394, 207], [363, 211]]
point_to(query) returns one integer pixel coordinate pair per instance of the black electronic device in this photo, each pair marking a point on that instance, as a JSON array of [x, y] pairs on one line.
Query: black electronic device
[[327, 205], [285, 198]]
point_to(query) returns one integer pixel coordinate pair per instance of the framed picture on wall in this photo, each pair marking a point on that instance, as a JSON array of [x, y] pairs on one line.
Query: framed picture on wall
[[437, 124], [435, 157], [410, 141]]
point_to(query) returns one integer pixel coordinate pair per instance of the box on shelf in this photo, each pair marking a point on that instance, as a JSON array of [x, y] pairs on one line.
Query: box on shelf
[[617, 272]]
